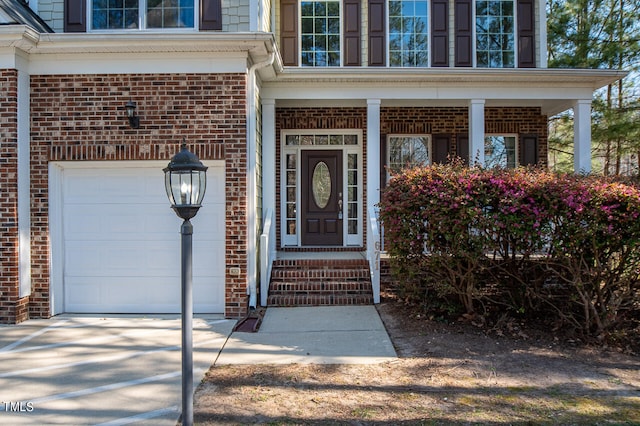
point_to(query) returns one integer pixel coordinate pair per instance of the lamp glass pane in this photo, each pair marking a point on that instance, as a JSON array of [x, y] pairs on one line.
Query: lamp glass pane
[[167, 187], [187, 187]]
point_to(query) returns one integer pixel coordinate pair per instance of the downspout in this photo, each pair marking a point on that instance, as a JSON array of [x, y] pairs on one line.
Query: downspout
[[252, 184]]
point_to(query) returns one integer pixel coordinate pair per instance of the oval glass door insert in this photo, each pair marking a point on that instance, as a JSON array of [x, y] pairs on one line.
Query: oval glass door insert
[[321, 184]]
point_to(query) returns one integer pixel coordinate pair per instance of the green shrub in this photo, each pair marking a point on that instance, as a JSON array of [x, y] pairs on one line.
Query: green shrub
[[526, 239]]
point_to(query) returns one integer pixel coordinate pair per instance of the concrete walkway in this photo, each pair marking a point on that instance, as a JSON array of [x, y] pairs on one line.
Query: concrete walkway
[[89, 370], [319, 335]]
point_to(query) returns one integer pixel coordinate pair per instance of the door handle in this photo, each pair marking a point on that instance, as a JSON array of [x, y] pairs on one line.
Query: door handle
[[339, 205]]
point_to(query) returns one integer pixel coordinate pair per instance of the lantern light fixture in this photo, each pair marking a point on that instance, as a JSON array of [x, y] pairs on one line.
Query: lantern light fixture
[[134, 120], [185, 180]]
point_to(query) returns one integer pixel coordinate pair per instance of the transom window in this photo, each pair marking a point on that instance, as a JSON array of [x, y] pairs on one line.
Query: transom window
[[408, 33], [320, 33], [142, 14], [408, 151], [495, 34], [500, 151]]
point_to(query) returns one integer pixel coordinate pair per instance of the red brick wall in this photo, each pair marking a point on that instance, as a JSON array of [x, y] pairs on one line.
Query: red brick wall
[[82, 117], [455, 121], [9, 283]]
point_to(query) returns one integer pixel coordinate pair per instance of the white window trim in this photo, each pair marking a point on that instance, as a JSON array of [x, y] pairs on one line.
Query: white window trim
[[300, 36], [402, 135], [515, 37], [516, 148], [142, 21], [429, 29], [286, 240]]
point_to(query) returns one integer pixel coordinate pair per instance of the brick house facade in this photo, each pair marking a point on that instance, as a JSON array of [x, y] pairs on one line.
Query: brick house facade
[[238, 82]]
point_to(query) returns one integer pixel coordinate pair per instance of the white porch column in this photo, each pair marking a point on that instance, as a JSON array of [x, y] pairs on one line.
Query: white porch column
[[373, 153], [268, 191], [476, 132], [373, 190], [582, 136], [269, 154], [24, 184]]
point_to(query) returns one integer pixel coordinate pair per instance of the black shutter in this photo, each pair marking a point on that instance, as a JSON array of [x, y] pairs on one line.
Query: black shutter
[[75, 16], [526, 34], [440, 33], [289, 32], [441, 146], [528, 147], [377, 36], [463, 33], [352, 33], [210, 14], [462, 147]]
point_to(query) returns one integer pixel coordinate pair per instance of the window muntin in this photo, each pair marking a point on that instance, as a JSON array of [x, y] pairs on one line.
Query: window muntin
[[495, 34], [500, 151], [170, 14], [320, 33], [408, 151], [142, 14], [408, 33]]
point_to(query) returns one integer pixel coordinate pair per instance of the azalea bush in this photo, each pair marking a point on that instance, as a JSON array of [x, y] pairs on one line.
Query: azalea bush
[[527, 241]]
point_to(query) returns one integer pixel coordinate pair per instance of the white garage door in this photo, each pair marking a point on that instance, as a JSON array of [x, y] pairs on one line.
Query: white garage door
[[121, 242]]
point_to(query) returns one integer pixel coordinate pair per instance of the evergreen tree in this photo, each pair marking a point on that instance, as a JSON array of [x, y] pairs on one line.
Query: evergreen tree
[[600, 34]]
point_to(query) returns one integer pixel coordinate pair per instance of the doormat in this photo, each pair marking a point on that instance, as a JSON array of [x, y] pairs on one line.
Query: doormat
[[250, 323]]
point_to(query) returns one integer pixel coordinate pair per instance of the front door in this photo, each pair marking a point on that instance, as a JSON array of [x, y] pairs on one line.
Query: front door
[[321, 196]]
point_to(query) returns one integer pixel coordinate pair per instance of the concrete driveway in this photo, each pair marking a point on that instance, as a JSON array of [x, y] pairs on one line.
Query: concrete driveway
[[84, 370]]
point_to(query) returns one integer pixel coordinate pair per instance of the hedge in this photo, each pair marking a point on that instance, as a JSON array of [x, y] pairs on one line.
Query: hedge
[[561, 247]]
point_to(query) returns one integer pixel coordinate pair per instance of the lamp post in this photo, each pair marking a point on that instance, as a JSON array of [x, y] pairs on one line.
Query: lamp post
[[185, 179]]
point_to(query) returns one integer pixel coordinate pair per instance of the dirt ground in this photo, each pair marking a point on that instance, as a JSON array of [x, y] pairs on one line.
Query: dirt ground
[[445, 374]]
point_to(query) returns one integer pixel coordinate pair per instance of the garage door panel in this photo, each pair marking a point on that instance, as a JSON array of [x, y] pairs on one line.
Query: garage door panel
[[129, 296], [113, 186], [122, 250], [124, 222]]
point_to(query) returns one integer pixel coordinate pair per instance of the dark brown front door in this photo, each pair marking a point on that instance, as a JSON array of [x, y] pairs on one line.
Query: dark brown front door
[[321, 187]]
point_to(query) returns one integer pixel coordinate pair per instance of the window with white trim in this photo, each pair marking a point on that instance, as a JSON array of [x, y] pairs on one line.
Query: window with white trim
[[500, 151], [495, 34], [320, 33], [408, 33], [407, 151], [142, 14]]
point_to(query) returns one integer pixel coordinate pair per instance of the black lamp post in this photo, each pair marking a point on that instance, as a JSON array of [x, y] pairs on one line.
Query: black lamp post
[[185, 179]]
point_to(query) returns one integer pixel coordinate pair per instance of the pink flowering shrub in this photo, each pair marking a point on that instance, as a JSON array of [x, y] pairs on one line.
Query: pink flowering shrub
[[524, 240]]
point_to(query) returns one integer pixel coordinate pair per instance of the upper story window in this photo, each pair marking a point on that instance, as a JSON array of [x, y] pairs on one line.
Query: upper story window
[[142, 14], [320, 33], [495, 34], [408, 33]]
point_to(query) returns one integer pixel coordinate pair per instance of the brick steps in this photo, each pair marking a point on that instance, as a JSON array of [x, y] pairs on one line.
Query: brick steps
[[320, 283]]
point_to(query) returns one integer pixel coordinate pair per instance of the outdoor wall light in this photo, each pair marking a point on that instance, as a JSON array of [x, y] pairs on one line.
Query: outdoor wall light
[[134, 120], [185, 180]]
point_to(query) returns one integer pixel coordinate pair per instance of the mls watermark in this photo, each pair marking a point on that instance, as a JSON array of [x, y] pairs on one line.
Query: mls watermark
[[16, 406]]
